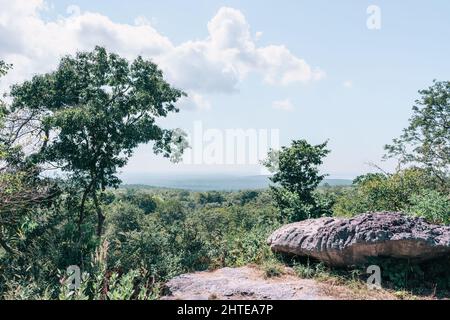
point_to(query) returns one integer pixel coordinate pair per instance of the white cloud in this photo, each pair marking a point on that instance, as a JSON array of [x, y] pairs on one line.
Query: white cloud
[[284, 105], [216, 64], [194, 101], [347, 84], [34, 45], [73, 10]]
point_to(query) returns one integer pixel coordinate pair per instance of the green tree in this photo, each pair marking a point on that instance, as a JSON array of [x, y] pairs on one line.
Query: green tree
[[89, 115], [3, 70], [296, 177], [426, 141], [23, 194], [431, 205], [141, 199], [210, 197], [384, 192]]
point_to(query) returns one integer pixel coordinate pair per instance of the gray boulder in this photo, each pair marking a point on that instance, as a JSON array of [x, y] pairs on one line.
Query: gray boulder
[[344, 242]]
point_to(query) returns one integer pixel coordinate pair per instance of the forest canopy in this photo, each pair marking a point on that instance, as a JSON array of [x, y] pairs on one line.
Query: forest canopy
[[86, 118]]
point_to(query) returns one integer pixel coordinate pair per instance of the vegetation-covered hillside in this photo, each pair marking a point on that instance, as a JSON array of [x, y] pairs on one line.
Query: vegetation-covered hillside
[[86, 118]]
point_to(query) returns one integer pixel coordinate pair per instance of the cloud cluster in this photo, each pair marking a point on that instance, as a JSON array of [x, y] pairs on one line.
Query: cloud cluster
[[216, 64], [347, 84], [283, 105]]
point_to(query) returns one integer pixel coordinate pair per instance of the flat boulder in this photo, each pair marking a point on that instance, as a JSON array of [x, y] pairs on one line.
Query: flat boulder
[[345, 242], [245, 283]]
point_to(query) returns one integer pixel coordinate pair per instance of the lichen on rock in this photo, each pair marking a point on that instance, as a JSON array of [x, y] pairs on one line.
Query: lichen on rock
[[345, 242]]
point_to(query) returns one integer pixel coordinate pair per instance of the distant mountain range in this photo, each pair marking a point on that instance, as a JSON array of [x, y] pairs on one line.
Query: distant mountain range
[[209, 182]]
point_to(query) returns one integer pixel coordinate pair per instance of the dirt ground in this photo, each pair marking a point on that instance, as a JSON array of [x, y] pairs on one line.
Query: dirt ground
[[250, 283]]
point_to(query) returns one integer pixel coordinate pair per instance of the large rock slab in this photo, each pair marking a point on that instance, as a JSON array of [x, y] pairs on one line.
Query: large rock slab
[[249, 283], [344, 242], [243, 283]]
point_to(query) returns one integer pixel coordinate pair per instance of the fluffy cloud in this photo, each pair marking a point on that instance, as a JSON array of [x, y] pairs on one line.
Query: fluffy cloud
[[216, 64], [284, 105], [347, 84], [194, 101]]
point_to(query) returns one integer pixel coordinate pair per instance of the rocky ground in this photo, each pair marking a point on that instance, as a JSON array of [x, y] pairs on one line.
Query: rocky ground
[[250, 283], [334, 241]]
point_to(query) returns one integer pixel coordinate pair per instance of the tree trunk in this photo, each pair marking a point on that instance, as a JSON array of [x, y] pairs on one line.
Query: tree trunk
[[83, 202], [81, 220], [100, 216]]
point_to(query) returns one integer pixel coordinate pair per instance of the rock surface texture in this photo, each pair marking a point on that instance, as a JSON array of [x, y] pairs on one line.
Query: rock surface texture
[[249, 283], [240, 284], [345, 242]]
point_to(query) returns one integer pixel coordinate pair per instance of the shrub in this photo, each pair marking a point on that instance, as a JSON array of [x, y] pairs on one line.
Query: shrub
[[272, 269], [309, 270], [431, 205], [382, 192]]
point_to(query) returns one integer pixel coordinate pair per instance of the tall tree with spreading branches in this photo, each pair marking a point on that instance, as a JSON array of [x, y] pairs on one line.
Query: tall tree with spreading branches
[[426, 140], [88, 116], [21, 189], [3, 70]]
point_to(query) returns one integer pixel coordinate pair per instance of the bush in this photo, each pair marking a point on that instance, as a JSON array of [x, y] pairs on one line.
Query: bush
[[431, 205], [178, 238], [309, 270], [382, 192], [210, 197], [428, 277], [272, 269]]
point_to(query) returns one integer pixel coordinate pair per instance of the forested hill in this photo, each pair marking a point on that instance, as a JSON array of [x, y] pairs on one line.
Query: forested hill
[[209, 182]]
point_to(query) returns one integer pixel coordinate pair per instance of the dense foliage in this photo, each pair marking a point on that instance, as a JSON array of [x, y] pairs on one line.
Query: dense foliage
[[426, 141], [296, 178], [87, 117], [412, 190], [150, 236]]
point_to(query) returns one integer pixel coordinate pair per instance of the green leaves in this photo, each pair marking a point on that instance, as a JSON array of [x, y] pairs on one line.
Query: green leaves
[[296, 176], [90, 114], [4, 67], [426, 141], [96, 108], [3, 70], [431, 205], [396, 192]]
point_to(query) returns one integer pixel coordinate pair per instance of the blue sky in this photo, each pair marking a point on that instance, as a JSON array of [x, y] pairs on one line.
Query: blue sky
[[362, 100]]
